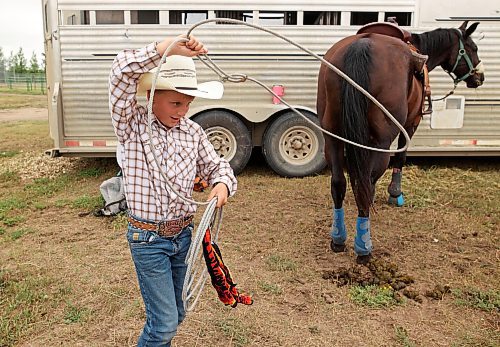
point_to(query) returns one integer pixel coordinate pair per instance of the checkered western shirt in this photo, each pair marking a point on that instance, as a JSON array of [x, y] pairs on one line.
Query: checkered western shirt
[[183, 151]]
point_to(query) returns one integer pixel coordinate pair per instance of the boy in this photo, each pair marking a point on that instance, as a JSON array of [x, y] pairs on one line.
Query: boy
[[160, 223]]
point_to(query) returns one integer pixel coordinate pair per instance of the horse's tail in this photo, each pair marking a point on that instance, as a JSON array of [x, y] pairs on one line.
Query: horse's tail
[[354, 113]]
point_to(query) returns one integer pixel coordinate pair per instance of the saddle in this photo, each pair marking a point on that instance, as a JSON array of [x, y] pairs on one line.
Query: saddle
[[419, 60]]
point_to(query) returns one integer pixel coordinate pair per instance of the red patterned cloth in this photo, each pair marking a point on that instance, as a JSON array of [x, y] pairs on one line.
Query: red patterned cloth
[[219, 273]]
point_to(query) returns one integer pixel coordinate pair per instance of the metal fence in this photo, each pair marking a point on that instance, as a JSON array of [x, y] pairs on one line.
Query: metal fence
[[27, 81]]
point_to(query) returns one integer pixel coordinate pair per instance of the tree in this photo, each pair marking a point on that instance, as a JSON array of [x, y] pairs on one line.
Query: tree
[[34, 67], [11, 62], [3, 66], [21, 64]]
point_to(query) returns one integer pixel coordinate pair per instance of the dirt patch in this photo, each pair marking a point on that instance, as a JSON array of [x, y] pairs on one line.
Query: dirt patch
[[23, 114]]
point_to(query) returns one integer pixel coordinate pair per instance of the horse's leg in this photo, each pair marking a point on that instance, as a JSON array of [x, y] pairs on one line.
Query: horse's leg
[[394, 189], [396, 196], [334, 151], [362, 242]]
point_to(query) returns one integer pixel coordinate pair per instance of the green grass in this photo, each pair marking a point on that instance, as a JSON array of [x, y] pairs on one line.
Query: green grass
[[271, 288], [91, 172], [8, 154], [234, 329], [12, 221], [9, 176], [488, 338], [279, 263], [17, 234], [374, 296], [47, 187], [11, 204], [483, 300], [88, 202], [75, 314], [402, 337], [23, 302]]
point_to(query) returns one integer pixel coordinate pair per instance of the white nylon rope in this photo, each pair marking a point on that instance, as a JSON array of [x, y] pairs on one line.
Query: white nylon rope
[[242, 78], [192, 289]]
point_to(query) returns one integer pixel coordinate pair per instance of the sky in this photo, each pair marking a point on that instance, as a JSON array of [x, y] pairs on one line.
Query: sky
[[21, 25]]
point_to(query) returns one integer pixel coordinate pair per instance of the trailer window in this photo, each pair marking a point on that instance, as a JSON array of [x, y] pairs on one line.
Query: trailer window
[[362, 18], [321, 17], [145, 17], [74, 18], [187, 17], [109, 17], [402, 18], [245, 16], [278, 18]]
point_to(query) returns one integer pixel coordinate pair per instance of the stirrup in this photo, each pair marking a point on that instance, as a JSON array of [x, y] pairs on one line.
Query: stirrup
[[429, 108]]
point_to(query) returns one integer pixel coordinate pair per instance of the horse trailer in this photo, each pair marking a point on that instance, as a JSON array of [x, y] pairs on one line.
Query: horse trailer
[[83, 37]]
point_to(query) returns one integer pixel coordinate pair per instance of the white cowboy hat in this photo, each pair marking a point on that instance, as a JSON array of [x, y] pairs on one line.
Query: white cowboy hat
[[179, 73]]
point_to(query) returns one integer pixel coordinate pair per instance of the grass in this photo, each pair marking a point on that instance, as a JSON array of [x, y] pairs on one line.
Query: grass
[[24, 301], [8, 154], [75, 314], [234, 330], [280, 263], [12, 99], [47, 187], [402, 337], [488, 300], [271, 288], [88, 202], [374, 296], [17, 234]]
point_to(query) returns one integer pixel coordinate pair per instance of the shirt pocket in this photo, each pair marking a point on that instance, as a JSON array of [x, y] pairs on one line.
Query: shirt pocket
[[186, 162]]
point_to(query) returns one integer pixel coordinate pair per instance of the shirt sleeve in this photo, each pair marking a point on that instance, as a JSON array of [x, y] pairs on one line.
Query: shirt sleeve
[[126, 70], [213, 168]]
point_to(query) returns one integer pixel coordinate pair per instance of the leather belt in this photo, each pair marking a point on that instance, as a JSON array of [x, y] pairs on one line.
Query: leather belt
[[167, 228]]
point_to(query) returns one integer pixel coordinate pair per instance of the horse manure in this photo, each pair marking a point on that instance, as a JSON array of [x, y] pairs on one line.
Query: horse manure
[[377, 272], [412, 294], [438, 292]]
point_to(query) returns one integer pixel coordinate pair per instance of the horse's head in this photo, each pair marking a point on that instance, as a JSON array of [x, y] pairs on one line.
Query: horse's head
[[463, 61]]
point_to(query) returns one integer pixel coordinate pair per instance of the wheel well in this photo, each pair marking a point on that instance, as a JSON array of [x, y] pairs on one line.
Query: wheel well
[[234, 113], [281, 112]]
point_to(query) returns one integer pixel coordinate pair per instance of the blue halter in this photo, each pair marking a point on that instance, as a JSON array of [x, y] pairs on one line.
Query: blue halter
[[462, 53]]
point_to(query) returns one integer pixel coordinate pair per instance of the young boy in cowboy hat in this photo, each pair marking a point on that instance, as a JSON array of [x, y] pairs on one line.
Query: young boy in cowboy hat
[[160, 223]]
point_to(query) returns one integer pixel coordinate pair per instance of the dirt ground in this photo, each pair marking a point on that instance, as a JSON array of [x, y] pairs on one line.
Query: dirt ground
[[24, 114], [275, 241]]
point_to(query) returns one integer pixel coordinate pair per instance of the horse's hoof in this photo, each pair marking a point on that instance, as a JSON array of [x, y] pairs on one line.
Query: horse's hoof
[[337, 248], [364, 259], [397, 201]]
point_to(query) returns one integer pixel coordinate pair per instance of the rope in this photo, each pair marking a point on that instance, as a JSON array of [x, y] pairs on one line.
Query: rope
[[237, 78], [192, 289]]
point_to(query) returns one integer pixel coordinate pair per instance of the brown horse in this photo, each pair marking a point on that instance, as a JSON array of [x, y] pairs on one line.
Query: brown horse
[[386, 68]]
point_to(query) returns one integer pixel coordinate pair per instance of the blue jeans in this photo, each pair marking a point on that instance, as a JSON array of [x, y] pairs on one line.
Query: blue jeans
[[159, 263]]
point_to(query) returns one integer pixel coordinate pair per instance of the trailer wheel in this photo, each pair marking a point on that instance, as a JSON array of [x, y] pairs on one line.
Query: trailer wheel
[[229, 136], [293, 147]]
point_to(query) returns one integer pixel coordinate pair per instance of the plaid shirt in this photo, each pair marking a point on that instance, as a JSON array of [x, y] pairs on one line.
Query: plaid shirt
[[183, 151]]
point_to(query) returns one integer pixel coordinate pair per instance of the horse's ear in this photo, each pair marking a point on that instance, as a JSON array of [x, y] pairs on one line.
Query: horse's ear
[[463, 27], [471, 29]]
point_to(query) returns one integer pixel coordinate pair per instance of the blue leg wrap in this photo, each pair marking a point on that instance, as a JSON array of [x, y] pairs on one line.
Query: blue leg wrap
[[338, 233], [363, 241]]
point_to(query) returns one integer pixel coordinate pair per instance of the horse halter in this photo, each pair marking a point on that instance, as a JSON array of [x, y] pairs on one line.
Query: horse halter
[[462, 53]]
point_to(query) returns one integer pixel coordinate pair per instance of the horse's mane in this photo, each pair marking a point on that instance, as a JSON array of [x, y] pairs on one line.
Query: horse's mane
[[432, 41]]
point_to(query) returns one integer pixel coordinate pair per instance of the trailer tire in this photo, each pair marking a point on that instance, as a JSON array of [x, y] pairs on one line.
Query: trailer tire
[[229, 136], [293, 147]]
